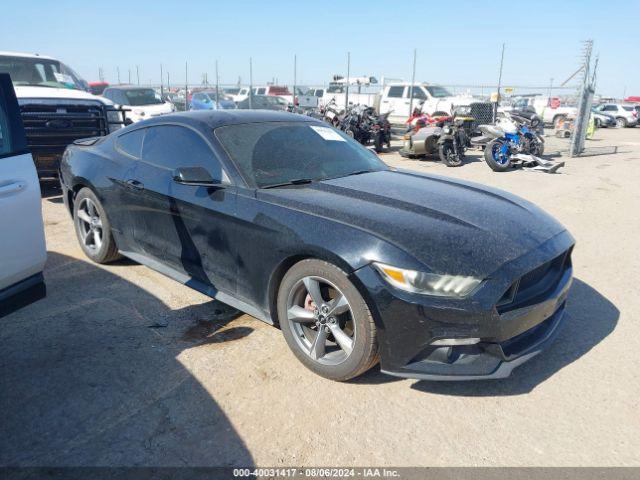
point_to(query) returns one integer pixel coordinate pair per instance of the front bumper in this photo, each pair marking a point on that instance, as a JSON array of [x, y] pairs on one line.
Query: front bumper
[[408, 324]]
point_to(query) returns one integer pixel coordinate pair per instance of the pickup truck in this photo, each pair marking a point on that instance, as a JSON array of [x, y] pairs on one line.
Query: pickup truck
[[550, 109], [56, 107], [395, 98]]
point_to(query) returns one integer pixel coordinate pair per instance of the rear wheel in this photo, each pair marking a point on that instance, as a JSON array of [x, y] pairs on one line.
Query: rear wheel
[[621, 122], [448, 156], [378, 145], [92, 228], [325, 321], [496, 157]]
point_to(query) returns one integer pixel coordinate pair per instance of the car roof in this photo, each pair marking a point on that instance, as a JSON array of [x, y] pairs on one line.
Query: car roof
[[26, 55], [219, 118]]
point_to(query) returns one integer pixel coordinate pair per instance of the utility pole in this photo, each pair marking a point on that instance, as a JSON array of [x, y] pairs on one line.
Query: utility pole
[[138, 74], [413, 80], [217, 87], [186, 86], [346, 92], [168, 84], [161, 82], [250, 84], [295, 69], [495, 108], [129, 77], [118, 70]]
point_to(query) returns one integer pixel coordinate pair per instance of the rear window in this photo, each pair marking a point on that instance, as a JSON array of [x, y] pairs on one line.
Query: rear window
[[628, 109]]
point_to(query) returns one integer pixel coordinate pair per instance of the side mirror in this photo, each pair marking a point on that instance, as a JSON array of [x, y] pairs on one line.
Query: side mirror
[[196, 176]]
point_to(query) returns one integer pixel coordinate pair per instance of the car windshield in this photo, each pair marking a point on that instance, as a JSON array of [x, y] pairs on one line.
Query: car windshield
[[40, 72], [142, 96], [231, 91], [438, 92], [275, 153]]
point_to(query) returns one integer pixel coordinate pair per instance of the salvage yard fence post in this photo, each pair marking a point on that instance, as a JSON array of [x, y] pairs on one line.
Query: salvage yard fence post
[[585, 95]]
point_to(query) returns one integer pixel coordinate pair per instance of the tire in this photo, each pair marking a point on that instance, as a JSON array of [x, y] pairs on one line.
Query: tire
[[378, 145], [448, 156], [440, 113], [621, 122], [597, 123], [91, 223], [557, 119], [359, 335], [495, 163]]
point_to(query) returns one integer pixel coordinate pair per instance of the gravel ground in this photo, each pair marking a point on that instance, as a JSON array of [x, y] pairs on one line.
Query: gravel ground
[[121, 366]]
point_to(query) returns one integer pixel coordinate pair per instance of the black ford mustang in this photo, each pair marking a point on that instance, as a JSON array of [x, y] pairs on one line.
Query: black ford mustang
[[291, 221]]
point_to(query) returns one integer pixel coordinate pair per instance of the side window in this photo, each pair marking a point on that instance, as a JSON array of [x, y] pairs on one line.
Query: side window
[[261, 91], [395, 92], [12, 138], [610, 108], [418, 93], [173, 146], [131, 143]]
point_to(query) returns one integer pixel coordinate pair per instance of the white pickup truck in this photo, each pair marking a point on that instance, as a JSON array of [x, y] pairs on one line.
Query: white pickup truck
[[550, 109], [395, 98], [56, 107]]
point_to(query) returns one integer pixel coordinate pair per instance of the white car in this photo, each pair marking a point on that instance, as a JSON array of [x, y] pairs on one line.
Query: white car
[[22, 246], [141, 102], [625, 115], [237, 94]]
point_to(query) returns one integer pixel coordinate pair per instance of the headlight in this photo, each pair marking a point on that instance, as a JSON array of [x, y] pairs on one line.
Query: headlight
[[114, 118], [428, 283]]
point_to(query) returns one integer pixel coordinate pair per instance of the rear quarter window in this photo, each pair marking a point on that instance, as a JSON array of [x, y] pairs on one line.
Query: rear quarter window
[[131, 142]]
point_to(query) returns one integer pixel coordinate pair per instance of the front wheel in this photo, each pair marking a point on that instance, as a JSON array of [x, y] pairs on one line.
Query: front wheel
[[93, 228], [448, 155], [325, 321], [497, 156]]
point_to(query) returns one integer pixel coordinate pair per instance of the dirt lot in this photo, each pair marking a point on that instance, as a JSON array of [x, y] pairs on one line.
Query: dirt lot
[[121, 366]]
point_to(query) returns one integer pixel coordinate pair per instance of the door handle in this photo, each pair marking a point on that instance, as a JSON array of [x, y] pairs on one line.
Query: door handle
[[14, 187], [135, 185]]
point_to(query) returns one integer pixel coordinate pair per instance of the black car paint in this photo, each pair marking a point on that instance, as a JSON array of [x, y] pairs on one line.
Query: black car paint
[[235, 243]]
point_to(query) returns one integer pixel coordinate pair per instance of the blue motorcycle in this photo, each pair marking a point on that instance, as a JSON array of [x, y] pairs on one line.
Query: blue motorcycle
[[512, 135]]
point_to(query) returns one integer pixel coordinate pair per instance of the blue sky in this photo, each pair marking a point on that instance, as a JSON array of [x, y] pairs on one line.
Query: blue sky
[[457, 42]]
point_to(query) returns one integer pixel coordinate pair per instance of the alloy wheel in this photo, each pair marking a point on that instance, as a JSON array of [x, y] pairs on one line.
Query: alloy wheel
[[89, 224], [321, 319]]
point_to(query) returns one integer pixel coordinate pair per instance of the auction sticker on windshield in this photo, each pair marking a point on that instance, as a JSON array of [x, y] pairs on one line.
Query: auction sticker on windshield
[[327, 133]]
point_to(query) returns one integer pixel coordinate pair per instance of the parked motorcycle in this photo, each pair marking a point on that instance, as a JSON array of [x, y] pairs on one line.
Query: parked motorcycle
[[453, 143], [381, 130], [510, 137]]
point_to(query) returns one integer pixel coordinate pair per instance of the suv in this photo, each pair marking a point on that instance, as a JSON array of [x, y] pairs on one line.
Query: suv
[[626, 115], [56, 107]]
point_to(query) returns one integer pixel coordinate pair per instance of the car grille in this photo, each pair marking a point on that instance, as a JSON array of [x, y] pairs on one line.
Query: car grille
[[52, 124], [534, 284]]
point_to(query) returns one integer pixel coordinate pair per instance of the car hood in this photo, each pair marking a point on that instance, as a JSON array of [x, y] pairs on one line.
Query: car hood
[[62, 93], [448, 225]]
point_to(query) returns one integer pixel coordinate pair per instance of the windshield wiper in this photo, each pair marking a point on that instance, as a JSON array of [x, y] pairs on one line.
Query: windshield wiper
[[295, 181]]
